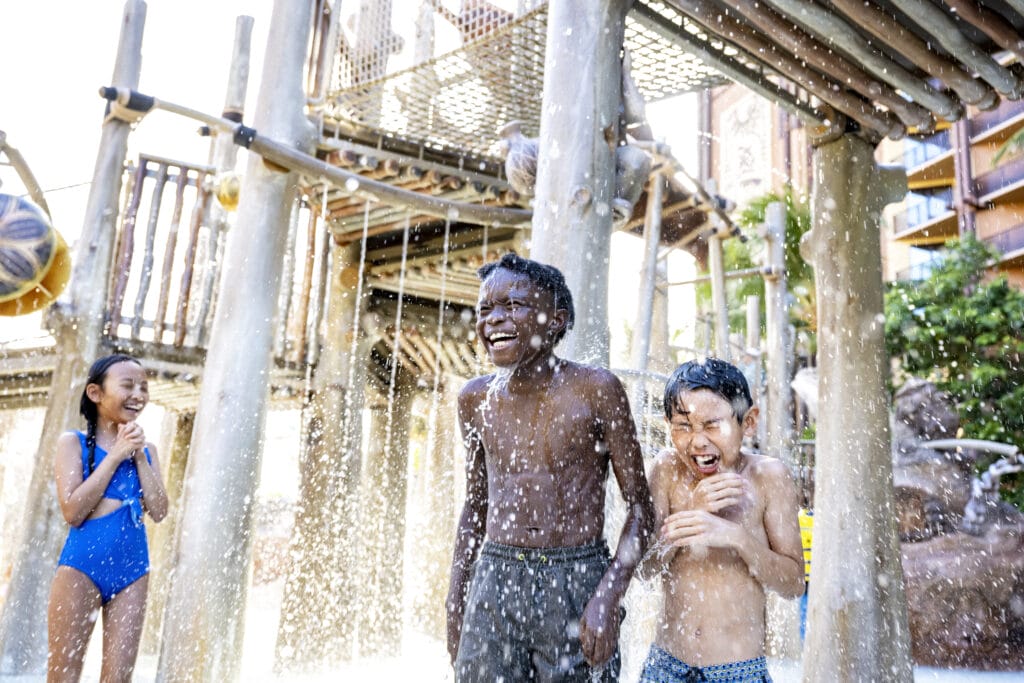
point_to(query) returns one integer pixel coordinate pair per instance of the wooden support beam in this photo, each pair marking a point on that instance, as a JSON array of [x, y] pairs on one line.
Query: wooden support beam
[[893, 34], [169, 249]]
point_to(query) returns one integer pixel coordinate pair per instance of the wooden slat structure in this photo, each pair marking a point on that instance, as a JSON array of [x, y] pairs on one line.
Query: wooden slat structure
[[876, 69]]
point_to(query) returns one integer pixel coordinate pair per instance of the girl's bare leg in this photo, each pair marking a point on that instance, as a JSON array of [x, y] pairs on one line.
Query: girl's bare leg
[[122, 631], [74, 607]]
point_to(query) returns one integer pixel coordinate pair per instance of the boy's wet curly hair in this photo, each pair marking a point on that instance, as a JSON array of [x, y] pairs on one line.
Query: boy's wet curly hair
[[544, 276], [723, 378]]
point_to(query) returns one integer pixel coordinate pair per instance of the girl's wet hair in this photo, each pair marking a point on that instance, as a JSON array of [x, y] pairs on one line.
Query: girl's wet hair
[[544, 276], [97, 373], [723, 378]]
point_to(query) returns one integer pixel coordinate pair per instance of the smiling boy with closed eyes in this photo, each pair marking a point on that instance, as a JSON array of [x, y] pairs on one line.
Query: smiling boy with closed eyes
[[535, 593], [728, 532]]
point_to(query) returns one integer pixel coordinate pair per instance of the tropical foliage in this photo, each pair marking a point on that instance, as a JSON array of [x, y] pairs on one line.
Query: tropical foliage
[[963, 329], [741, 254]]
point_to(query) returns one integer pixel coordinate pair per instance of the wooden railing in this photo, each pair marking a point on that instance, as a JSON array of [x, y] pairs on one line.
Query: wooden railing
[[168, 260], [150, 252]]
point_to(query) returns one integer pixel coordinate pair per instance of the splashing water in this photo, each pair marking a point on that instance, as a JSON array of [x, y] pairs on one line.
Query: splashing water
[[498, 383]]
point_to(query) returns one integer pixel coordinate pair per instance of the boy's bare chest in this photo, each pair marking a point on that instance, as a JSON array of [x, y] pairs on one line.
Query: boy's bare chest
[[537, 431], [748, 513]]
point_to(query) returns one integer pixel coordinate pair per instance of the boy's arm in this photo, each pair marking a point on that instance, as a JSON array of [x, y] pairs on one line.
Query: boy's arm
[[472, 526], [784, 570], [659, 553], [599, 625], [777, 564]]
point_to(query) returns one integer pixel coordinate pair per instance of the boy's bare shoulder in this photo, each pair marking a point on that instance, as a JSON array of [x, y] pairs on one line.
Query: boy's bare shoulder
[[665, 463], [475, 387], [472, 396], [766, 468], [593, 376]]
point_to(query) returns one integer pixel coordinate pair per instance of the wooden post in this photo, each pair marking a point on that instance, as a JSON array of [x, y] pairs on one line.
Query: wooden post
[[857, 620], [382, 524], [779, 404], [719, 303], [965, 202], [317, 610], [163, 537], [78, 331], [645, 297], [640, 345], [224, 156], [783, 616], [205, 615], [432, 513], [572, 218]]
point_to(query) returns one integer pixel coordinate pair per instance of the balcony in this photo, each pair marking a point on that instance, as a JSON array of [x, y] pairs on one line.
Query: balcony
[[929, 219], [1010, 244], [996, 126], [1003, 184], [929, 161], [918, 271]]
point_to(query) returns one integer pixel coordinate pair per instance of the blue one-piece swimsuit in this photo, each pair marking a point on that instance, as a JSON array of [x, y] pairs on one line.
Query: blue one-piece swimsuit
[[111, 550]]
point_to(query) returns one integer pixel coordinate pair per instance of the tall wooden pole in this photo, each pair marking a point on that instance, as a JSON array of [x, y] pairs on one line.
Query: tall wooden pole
[[382, 522], [642, 326], [857, 619], [719, 304], [206, 608], [78, 332], [163, 537], [224, 157], [783, 618], [779, 406], [572, 217], [319, 604]]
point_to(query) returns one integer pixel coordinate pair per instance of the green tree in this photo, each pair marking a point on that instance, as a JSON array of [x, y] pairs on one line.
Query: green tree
[[963, 329], [739, 255]]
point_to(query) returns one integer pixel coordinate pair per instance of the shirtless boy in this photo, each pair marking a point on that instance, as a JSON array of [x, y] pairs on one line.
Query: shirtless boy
[[728, 532], [534, 594]]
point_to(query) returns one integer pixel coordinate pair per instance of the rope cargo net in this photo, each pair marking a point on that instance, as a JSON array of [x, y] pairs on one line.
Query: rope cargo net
[[456, 101]]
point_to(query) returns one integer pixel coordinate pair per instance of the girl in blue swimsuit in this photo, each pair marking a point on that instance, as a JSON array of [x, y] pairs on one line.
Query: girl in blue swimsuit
[[106, 479]]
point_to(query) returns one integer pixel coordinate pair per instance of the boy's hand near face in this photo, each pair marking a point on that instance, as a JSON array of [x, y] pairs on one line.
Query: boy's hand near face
[[720, 491], [702, 524], [700, 528]]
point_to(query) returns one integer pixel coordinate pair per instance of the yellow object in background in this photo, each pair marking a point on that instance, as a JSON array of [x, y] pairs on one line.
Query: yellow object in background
[[35, 263], [806, 518], [227, 188]]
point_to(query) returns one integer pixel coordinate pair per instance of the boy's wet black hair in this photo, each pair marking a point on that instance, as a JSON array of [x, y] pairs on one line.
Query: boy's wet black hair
[[97, 373], [544, 276], [723, 378]]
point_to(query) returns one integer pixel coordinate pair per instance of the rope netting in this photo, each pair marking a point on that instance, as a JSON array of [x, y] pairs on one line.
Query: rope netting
[[458, 99]]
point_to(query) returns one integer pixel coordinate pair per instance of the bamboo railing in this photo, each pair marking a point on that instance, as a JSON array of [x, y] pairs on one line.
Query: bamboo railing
[[169, 242]]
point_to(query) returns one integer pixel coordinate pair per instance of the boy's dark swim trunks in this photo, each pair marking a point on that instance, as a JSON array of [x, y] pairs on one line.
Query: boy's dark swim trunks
[[522, 615]]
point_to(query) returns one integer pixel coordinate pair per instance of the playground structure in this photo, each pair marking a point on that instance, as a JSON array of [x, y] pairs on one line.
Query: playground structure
[[388, 284]]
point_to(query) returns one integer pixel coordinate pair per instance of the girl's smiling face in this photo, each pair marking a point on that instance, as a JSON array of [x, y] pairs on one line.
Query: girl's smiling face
[[516, 319], [123, 394]]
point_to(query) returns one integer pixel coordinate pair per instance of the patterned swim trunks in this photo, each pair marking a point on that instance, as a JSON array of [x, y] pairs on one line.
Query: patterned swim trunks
[[661, 667]]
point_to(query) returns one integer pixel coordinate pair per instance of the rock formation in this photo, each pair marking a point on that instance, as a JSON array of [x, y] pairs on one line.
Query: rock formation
[[965, 592]]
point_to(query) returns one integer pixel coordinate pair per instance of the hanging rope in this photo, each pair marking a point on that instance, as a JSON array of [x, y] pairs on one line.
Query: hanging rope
[[435, 396], [354, 350], [389, 426]]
